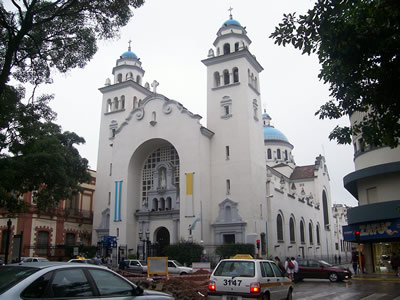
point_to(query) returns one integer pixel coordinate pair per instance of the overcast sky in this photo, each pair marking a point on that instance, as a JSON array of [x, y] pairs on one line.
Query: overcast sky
[[172, 37]]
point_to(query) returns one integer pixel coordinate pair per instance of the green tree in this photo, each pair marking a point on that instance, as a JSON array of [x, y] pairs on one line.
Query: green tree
[[358, 46], [37, 36], [36, 156]]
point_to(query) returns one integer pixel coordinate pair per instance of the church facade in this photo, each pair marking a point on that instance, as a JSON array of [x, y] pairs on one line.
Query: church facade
[[162, 176]]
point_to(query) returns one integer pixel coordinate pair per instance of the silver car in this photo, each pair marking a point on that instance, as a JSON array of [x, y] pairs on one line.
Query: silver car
[[136, 265], [68, 281]]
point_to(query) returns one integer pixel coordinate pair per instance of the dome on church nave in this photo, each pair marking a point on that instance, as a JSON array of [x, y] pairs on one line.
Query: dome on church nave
[[273, 134]]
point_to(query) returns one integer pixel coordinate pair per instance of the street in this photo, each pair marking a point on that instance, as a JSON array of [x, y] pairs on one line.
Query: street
[[315, 289]]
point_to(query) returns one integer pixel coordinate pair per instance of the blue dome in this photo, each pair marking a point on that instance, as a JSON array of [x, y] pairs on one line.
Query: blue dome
[[231, 22], [271, 133], [129, 54]]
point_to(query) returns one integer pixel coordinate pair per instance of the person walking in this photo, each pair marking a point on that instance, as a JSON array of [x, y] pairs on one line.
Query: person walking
[[296, 269], [362, 267], [289, 268], [394, 261], [354, 261], [279, 264]]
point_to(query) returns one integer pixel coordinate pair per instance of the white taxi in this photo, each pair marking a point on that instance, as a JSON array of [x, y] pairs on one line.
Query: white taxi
[[240, 279]]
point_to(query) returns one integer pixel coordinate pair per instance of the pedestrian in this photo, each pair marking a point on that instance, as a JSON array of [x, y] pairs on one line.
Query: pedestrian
[[394, 261], [335, 259], [296, 269], [279, 264], [340, 259], [362, 263], [202, 258], [354, 261], [122, 265], [289, 268]]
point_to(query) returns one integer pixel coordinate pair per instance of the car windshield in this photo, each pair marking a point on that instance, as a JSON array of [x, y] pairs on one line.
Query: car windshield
[[235, 269], [9, 276], [325, 263], [177, 263]]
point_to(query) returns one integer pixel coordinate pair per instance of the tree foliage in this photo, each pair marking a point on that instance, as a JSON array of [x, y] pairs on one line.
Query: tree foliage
[[358, 46], [229, 250], [37, 36], [36, 156], [185, 252]]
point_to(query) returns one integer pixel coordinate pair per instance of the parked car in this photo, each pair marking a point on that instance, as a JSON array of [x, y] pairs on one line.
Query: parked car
[[174, 267], [82, 261], [312, 268], [136, 265], [249, 279], [33, 259], [2, 262], [69, 281]]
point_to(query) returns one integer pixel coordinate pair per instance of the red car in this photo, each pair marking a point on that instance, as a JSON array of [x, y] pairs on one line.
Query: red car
[[312, 268]]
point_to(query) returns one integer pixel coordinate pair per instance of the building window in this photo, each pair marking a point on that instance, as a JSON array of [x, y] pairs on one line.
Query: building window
[[42, 243], [237, 46], [227, 152], [235, 75], [337, 246], [139, 79], [269, 153], [226, 107], [119, 78], [279, 227], [109, 105], [217, 79], [227, 48], [122, 102], [226, 77], [310, 230], [228, 187], [135, 102], [69, 239], [226, 110], [115, 103], [291, 230], [285, 155], [302, 240], [110, 169], [318, 239], [255, 109], [229, 238], [325, 208], [278, 153], [109, 198]]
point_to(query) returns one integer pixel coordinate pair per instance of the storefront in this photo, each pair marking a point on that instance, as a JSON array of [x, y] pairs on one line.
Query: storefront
[[380, 239]]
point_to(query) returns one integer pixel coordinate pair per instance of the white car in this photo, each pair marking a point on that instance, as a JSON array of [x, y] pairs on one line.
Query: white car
[[235, 279], [174, 267], [33, 259], [136, 265], [61, 280]]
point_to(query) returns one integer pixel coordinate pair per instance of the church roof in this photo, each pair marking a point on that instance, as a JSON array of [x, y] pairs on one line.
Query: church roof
[[129, 54], [231, 22], [271, 133], [303, 172]]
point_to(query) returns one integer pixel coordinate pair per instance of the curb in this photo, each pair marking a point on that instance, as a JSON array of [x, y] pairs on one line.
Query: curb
[[376, 278]]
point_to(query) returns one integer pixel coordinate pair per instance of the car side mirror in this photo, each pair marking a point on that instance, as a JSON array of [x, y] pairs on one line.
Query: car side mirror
[[138, 291]]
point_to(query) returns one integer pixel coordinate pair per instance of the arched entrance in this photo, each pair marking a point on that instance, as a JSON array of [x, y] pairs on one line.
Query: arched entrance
[[162, 239]]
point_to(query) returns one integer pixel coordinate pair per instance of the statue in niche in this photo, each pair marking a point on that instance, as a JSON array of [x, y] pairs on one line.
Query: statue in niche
[[162, 178]]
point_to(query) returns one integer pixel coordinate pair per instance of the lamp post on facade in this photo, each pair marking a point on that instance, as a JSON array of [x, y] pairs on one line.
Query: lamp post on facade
[[9, 223]]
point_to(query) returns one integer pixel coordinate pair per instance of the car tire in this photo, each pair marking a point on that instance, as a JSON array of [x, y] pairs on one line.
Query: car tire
[[333, 277], [183, 273], [266, 297], [290, 295]]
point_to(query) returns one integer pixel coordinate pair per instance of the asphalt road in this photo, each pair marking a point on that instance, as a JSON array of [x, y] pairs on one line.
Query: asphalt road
[[349, 290]]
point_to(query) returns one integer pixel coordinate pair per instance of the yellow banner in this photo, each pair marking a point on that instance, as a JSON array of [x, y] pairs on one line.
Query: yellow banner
[[189, 183]]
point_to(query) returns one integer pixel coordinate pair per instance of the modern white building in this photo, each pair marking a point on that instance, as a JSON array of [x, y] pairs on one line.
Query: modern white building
[[163, 176]]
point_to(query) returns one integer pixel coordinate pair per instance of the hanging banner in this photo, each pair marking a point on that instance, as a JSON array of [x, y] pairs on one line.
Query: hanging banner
[[189, 212]]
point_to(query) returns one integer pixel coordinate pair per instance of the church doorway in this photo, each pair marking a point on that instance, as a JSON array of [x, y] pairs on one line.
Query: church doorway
[[162, 239]]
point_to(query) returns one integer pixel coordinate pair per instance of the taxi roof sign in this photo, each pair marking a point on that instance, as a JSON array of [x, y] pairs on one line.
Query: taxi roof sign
[[242, 256]]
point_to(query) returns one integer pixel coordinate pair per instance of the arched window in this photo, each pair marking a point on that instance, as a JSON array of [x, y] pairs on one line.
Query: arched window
[[129, 76], [162, 204], [285, 155], [155, 204], [278, 153], [269, 153], [291, 230], [122, 106], [217, 79], [116, 103], [325, 208], [279, 227], [235, 75], [237, 46], [168, 203], [255, 83], [302, 240], [109, 105], [119, 78], [139, 79], [227, 48], [310, 230], [317, 231], [226, 77]]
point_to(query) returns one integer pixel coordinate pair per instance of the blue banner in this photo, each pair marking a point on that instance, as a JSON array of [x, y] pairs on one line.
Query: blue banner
[[109, 241], [373, 231]]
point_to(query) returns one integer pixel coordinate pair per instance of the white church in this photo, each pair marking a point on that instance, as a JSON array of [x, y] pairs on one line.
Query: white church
[[164, 177]]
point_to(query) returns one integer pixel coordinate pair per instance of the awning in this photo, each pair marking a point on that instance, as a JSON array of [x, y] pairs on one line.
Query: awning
[[373, 231]]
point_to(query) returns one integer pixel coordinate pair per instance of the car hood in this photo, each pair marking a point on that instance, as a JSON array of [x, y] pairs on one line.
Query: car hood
[[154, 293]]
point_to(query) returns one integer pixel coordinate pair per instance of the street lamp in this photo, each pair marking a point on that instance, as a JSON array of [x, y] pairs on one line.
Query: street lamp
[[147, 243], [7, 240], [141, 239]]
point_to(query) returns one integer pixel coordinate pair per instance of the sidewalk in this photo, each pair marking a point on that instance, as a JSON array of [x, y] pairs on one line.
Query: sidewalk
[[371, 276]]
